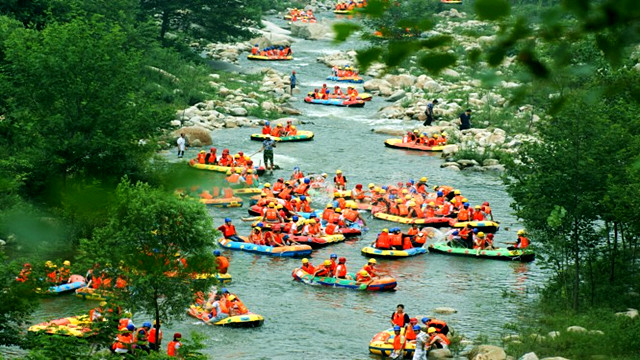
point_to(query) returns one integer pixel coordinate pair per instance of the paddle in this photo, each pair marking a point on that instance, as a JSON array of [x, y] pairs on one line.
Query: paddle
[[252, 218]]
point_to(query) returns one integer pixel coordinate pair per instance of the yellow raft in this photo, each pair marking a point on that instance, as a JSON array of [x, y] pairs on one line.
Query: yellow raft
[[435, 222], [78, 326], [223, 202], [223, 169], [246, 320], [93, 294], [303, 135], [382, 344], [269, 58], [247, 191], [373, 252]]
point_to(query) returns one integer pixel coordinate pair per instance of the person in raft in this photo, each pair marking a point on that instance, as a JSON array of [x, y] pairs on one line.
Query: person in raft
[[229, 231], [521, 243]]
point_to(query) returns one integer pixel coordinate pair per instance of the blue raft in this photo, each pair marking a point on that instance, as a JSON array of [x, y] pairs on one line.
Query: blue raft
[[281, 251]]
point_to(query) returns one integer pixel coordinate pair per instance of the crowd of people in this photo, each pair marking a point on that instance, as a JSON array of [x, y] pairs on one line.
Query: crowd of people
[[279, 130], [415, 137], [325, 93], [239, 160], [344, 71], [337, 268], [350, 5], [426, 334], [278, 52], [296, 14], [220, 305]]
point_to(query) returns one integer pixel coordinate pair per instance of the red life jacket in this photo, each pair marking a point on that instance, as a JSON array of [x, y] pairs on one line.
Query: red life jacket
[[341, 271], [266, 130], [228, 230], [396, 239], [463, 215], [523, 242], [383, 241], [271, 214], [327, 213], [330, 229], [339, 180], [398, 319]]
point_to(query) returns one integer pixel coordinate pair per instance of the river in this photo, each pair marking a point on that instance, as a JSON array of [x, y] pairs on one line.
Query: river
[[314, 322]]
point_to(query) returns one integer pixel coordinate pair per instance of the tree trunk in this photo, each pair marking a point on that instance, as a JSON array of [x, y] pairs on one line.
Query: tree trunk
[[576, 261], [164, 27], [614, 252], [157, 316]]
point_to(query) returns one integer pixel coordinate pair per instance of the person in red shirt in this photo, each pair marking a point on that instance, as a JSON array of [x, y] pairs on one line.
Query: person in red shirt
[[229, 231]]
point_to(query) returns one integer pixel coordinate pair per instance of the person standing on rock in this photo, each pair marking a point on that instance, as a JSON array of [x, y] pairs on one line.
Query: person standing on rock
[[465, 120], [293, 81], [182, 143], [267, 148], [429, 112]]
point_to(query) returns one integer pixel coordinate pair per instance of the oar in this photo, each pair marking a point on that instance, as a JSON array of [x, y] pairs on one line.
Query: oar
[[252, 218]]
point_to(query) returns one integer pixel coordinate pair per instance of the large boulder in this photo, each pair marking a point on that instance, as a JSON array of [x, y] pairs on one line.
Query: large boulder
[[576, 329], [529, 356], [631, 313], [238, 111], [445, 310], [487, 352], [449, 150], [400, 81], [311, 31], [432, 86], [440, 354], [397, 95], [194, 132], [375, 84], [290, 111]]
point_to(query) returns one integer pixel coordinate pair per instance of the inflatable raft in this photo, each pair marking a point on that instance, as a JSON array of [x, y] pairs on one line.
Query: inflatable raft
[[78, 326], [334, 102], [484, 226], [361, 96], [223, 169], [346, 194], [281, 251], [451, 1], [223, 202], [246, 320], [382, 344], [318, 241], [398, 144], [93, 294], [525, 255], [343, 12], [269, 58], [383, 283], [247, 191], [373, 252], [436, 222], [348, 79], [301, 136]]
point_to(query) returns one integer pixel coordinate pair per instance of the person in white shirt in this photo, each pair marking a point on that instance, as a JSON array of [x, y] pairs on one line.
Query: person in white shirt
[[182, 142]]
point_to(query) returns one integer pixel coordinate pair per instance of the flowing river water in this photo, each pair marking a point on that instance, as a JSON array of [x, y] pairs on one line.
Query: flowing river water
[[304, 321]]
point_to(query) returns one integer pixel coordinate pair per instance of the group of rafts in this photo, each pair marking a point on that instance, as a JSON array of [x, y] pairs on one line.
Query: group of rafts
[[352, 98], [347, 7]]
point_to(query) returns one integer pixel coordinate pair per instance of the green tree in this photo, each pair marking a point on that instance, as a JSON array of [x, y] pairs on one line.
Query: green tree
[[74, 89], [17, 303], [214, 20], [145, 233]]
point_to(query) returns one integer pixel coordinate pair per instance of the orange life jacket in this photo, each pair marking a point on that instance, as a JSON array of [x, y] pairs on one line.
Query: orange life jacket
[[201, 157], [478, 216], [275, 131], [285, 193], [266, 130], [172, 347], [301, 189], [383, 241], [123, 341], [223, 264], [152, 335], [341, 271], [406, 243], [412, 231], [410, 334], [278, 186], [271, 214], [327, 214], [463, 215], [398, 319], [330, 229], [308, 268], [523, 242], [350, 215], [339, 180], [228, 230], [396, 239], [442, 338]]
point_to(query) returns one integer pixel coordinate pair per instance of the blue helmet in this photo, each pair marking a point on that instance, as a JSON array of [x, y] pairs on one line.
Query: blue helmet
[[303, 198], [227, 220], [397, 328], [224, 290], [286, 237], [296, 168], [260, 225], [385, 187], [256, 45], [416, 327], [333, 256], [295, 218], [455, 233], [411, 181], [146, 324], [130, 327], [307, 181], [465, 204], [425, 320], [216, 252], [475, 230], [266, 123], [440, 193]]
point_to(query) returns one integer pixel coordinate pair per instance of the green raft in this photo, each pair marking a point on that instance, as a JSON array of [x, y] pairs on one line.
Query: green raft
[[525, 255], [301, 136]]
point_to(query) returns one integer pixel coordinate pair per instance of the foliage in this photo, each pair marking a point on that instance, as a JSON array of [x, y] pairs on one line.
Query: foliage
[[146, 231], [620, 338], [17, 303]]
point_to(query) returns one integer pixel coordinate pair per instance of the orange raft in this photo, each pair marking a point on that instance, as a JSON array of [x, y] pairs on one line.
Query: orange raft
[[398, 144]]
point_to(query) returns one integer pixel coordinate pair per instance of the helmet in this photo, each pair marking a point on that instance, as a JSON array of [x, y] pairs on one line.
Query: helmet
[[260, 225], [202, 152], [288, 121], [486, 203], [232, 297], [385, 230], [371, 185], [416, 131], [267, 185], [466, 205], [431, 330], [333, 256], [478, 207], [27, 265], [266, 123], [399, 201], [308, 221], [295, 218], [480, 234], [440, 193], [338, 210], [416, 327], [521, 232], [66, 263], [49, 264], [435, 136], [279, 125], [307, 180], [383, 191], [431, 203], [453, 201], [456, 192], [372, 261], [358, 186], [411, 203], [130, 327], [227, 220], [225, 150], [312, 221], [272, 205], [305, 261], [342, 260], [236, 156], [327, 262], [465, 200], [329, 206], [177, 336], [407, 197], [303, 198], [216, 252], [338, 171], [293, 127], [146, 324], [353, 205], [425, 320], [363, 272], [476, 231], [397, 328], [455, 233], [405, 191], [423, 179], [444, 133]]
